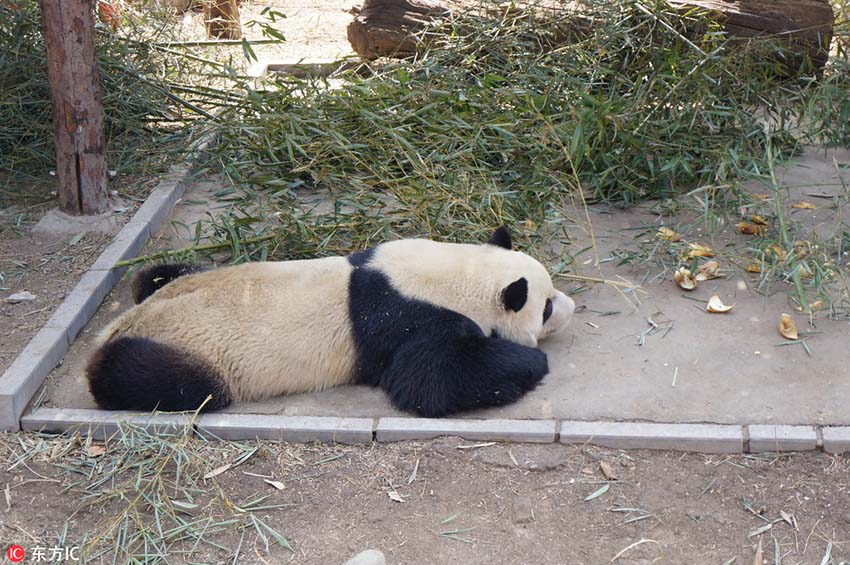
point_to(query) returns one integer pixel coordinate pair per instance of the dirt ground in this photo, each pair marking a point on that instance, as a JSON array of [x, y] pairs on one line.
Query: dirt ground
[[47, 267], [450, 501]]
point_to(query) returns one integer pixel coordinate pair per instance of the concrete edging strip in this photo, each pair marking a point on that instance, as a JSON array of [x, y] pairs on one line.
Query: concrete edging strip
[[100, 424], [836, 439], [399, 429], [775, 438], [298, 429], [700, 438], [703, 438], [45, 350]]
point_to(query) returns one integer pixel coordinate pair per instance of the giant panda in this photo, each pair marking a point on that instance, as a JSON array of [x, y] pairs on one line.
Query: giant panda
[[440, 327]]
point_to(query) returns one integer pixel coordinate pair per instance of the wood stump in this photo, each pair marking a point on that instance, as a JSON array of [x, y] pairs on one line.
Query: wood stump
[[387, 28]]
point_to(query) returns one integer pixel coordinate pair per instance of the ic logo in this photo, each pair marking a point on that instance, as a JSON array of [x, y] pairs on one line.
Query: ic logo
[[15, 553]]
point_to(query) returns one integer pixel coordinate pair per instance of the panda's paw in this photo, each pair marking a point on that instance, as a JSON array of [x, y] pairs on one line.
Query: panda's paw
[[536, 367]]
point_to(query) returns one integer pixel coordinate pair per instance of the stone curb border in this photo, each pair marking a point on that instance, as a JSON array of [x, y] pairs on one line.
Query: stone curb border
[[47, 348], [704, 438]]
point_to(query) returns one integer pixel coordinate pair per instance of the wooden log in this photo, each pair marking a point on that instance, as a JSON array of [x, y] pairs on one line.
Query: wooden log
[[222, 19], [803, 27], [386, 28], [77, 105]]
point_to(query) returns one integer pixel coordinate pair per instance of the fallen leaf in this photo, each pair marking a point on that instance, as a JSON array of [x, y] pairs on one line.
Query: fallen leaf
[[803, 205], [787, 327], [608, 471], [816, 305], [708, 270], [759, 220], [751, 228], [598, 492], [217, 471], [759, 557], [95, 450], [716, 306], [760, 196], [699, 250], [684, 279], [276, 484], [668, 235], [185, 507], [395, 496], [18, 297], [776, 252], [754, 267]]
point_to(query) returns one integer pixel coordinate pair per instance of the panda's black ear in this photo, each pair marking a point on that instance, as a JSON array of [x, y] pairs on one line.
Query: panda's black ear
[[515, 294], [501, 238]]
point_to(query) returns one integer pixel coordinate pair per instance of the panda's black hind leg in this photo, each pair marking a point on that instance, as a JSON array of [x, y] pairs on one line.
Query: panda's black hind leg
[[437, 377], [149, 280], [132, 373]]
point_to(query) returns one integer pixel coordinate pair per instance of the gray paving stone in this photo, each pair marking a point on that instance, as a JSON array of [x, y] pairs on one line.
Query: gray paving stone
[[83, 301], [26, 373], [401, 429], [836, 439], [704, 438], [300, 429], [127, 244], [101, 424], [765, 438]]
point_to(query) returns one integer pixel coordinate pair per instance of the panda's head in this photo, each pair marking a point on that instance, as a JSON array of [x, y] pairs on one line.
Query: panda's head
[[528, 306], [507, 293]]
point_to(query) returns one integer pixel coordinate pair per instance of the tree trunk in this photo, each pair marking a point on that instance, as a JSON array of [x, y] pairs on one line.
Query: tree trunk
[[222, 18], [386, 28], [77, 105]]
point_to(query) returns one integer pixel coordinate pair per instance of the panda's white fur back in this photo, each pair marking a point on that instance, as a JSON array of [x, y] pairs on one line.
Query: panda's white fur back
[[273, 328]]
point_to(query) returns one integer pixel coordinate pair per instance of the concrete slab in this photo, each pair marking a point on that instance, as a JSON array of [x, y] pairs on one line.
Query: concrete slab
[[836, 440], [782, 438], [729, 369], [705, 438], [100, 424], [300, 429], [401, 429]]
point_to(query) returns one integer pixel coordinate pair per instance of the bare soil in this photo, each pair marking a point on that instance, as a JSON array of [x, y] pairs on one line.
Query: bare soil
[[497, 503], [46, 267]]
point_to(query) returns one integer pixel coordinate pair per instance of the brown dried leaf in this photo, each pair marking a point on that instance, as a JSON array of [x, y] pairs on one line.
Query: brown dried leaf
[[95, 450], [276, 484], [776, 251], [707, 271], [760, 195], [754, 267], [608, 471], [751, 228], [668, 235], [716, 306], [758, 559], [699, 250], [395, 496], [803, 205], [787, 327], [684, 279], [759, 220]]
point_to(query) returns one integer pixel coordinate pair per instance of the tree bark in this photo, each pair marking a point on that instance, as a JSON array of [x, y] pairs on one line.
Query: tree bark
[[222, 19], [77, 105], [386, 28]]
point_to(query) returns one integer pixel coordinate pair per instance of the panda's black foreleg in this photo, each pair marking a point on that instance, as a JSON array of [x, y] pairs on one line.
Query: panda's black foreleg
[[149, 280], [437, 377]]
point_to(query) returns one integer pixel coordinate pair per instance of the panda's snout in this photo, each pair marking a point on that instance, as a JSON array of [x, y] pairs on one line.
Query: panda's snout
[[562, 310]]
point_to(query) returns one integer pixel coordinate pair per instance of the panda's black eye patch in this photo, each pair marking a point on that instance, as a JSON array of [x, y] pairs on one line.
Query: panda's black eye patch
[[547, 310]]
